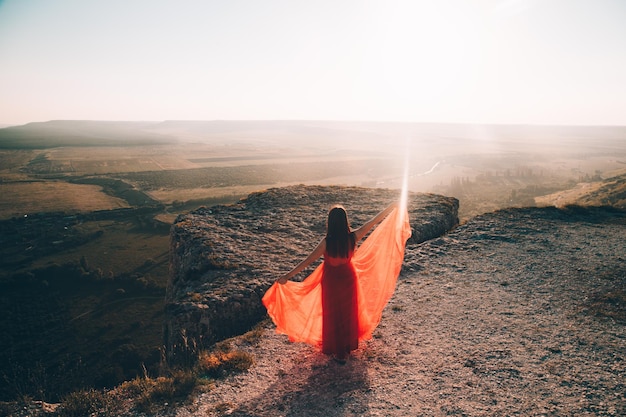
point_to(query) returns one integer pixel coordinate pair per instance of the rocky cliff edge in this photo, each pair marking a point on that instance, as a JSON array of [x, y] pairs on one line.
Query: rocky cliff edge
[[224, 258]]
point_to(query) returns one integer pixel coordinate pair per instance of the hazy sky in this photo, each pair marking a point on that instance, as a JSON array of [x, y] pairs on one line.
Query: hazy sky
[[485, 61]]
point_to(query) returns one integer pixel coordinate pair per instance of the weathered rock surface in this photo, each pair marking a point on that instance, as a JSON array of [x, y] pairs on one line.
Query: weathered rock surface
[[518, 312], [224, 258]]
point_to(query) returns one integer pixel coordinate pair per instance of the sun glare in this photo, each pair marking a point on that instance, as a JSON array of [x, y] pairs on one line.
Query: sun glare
[[419, 55], [405, 180]]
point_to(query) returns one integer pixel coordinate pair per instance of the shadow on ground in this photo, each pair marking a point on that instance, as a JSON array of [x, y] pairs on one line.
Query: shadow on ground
[[326, 388]]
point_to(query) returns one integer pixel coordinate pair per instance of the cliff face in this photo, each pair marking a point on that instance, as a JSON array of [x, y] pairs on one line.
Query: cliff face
[[224, 258]]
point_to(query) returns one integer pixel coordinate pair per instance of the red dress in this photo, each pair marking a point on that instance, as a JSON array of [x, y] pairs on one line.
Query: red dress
[[298, 308], [340, 314]]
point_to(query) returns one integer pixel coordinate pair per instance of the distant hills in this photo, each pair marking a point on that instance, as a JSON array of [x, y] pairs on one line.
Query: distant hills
[[57, 133]]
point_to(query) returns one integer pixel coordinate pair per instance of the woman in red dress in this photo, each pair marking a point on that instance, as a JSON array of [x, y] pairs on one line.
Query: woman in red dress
[[343, 323]]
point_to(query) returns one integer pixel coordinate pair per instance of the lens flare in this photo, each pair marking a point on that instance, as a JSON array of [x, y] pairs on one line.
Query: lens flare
[[405, 181]]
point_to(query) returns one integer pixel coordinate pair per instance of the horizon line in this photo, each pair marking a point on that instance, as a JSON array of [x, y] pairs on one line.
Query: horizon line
[[400, 122]]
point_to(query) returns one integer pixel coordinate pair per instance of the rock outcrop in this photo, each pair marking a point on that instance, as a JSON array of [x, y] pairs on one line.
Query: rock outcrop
[[224, 258]]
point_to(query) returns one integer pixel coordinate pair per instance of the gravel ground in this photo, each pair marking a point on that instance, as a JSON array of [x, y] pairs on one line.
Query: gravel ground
[[518, 312]]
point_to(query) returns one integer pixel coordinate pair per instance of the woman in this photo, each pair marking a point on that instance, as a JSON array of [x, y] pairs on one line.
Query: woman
[[341, 302]]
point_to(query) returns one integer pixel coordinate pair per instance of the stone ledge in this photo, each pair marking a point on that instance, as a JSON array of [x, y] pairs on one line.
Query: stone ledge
[[224, 258]]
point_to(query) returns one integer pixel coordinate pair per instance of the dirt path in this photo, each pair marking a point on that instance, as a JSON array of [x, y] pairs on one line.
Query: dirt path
[[515, 313]]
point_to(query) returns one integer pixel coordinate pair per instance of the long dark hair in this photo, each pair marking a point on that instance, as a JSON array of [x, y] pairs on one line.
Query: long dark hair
[[340, 241]]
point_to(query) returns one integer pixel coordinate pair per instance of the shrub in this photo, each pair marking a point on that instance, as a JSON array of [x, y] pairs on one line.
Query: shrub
[[180, 384], [149, 392], [85, 402], [219, 363]]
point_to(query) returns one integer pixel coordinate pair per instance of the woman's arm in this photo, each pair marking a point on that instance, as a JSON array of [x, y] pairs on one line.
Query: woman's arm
[[363, 230], [317, 253]]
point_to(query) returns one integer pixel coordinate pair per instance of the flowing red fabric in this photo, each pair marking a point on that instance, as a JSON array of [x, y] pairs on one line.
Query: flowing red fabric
[[296, 307]]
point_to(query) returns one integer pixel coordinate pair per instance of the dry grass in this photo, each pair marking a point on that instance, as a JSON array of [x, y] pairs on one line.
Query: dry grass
[[149, 394], [168, 196], [567, 197], [605, 192], [53, 196], [107, 160], [87, 402], [218, 363]]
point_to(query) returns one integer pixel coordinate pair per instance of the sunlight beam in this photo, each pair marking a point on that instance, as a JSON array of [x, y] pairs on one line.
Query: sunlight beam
[[405, 181]]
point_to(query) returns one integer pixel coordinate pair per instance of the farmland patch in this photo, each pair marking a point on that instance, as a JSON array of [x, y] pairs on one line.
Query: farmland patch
[[22, 198]]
